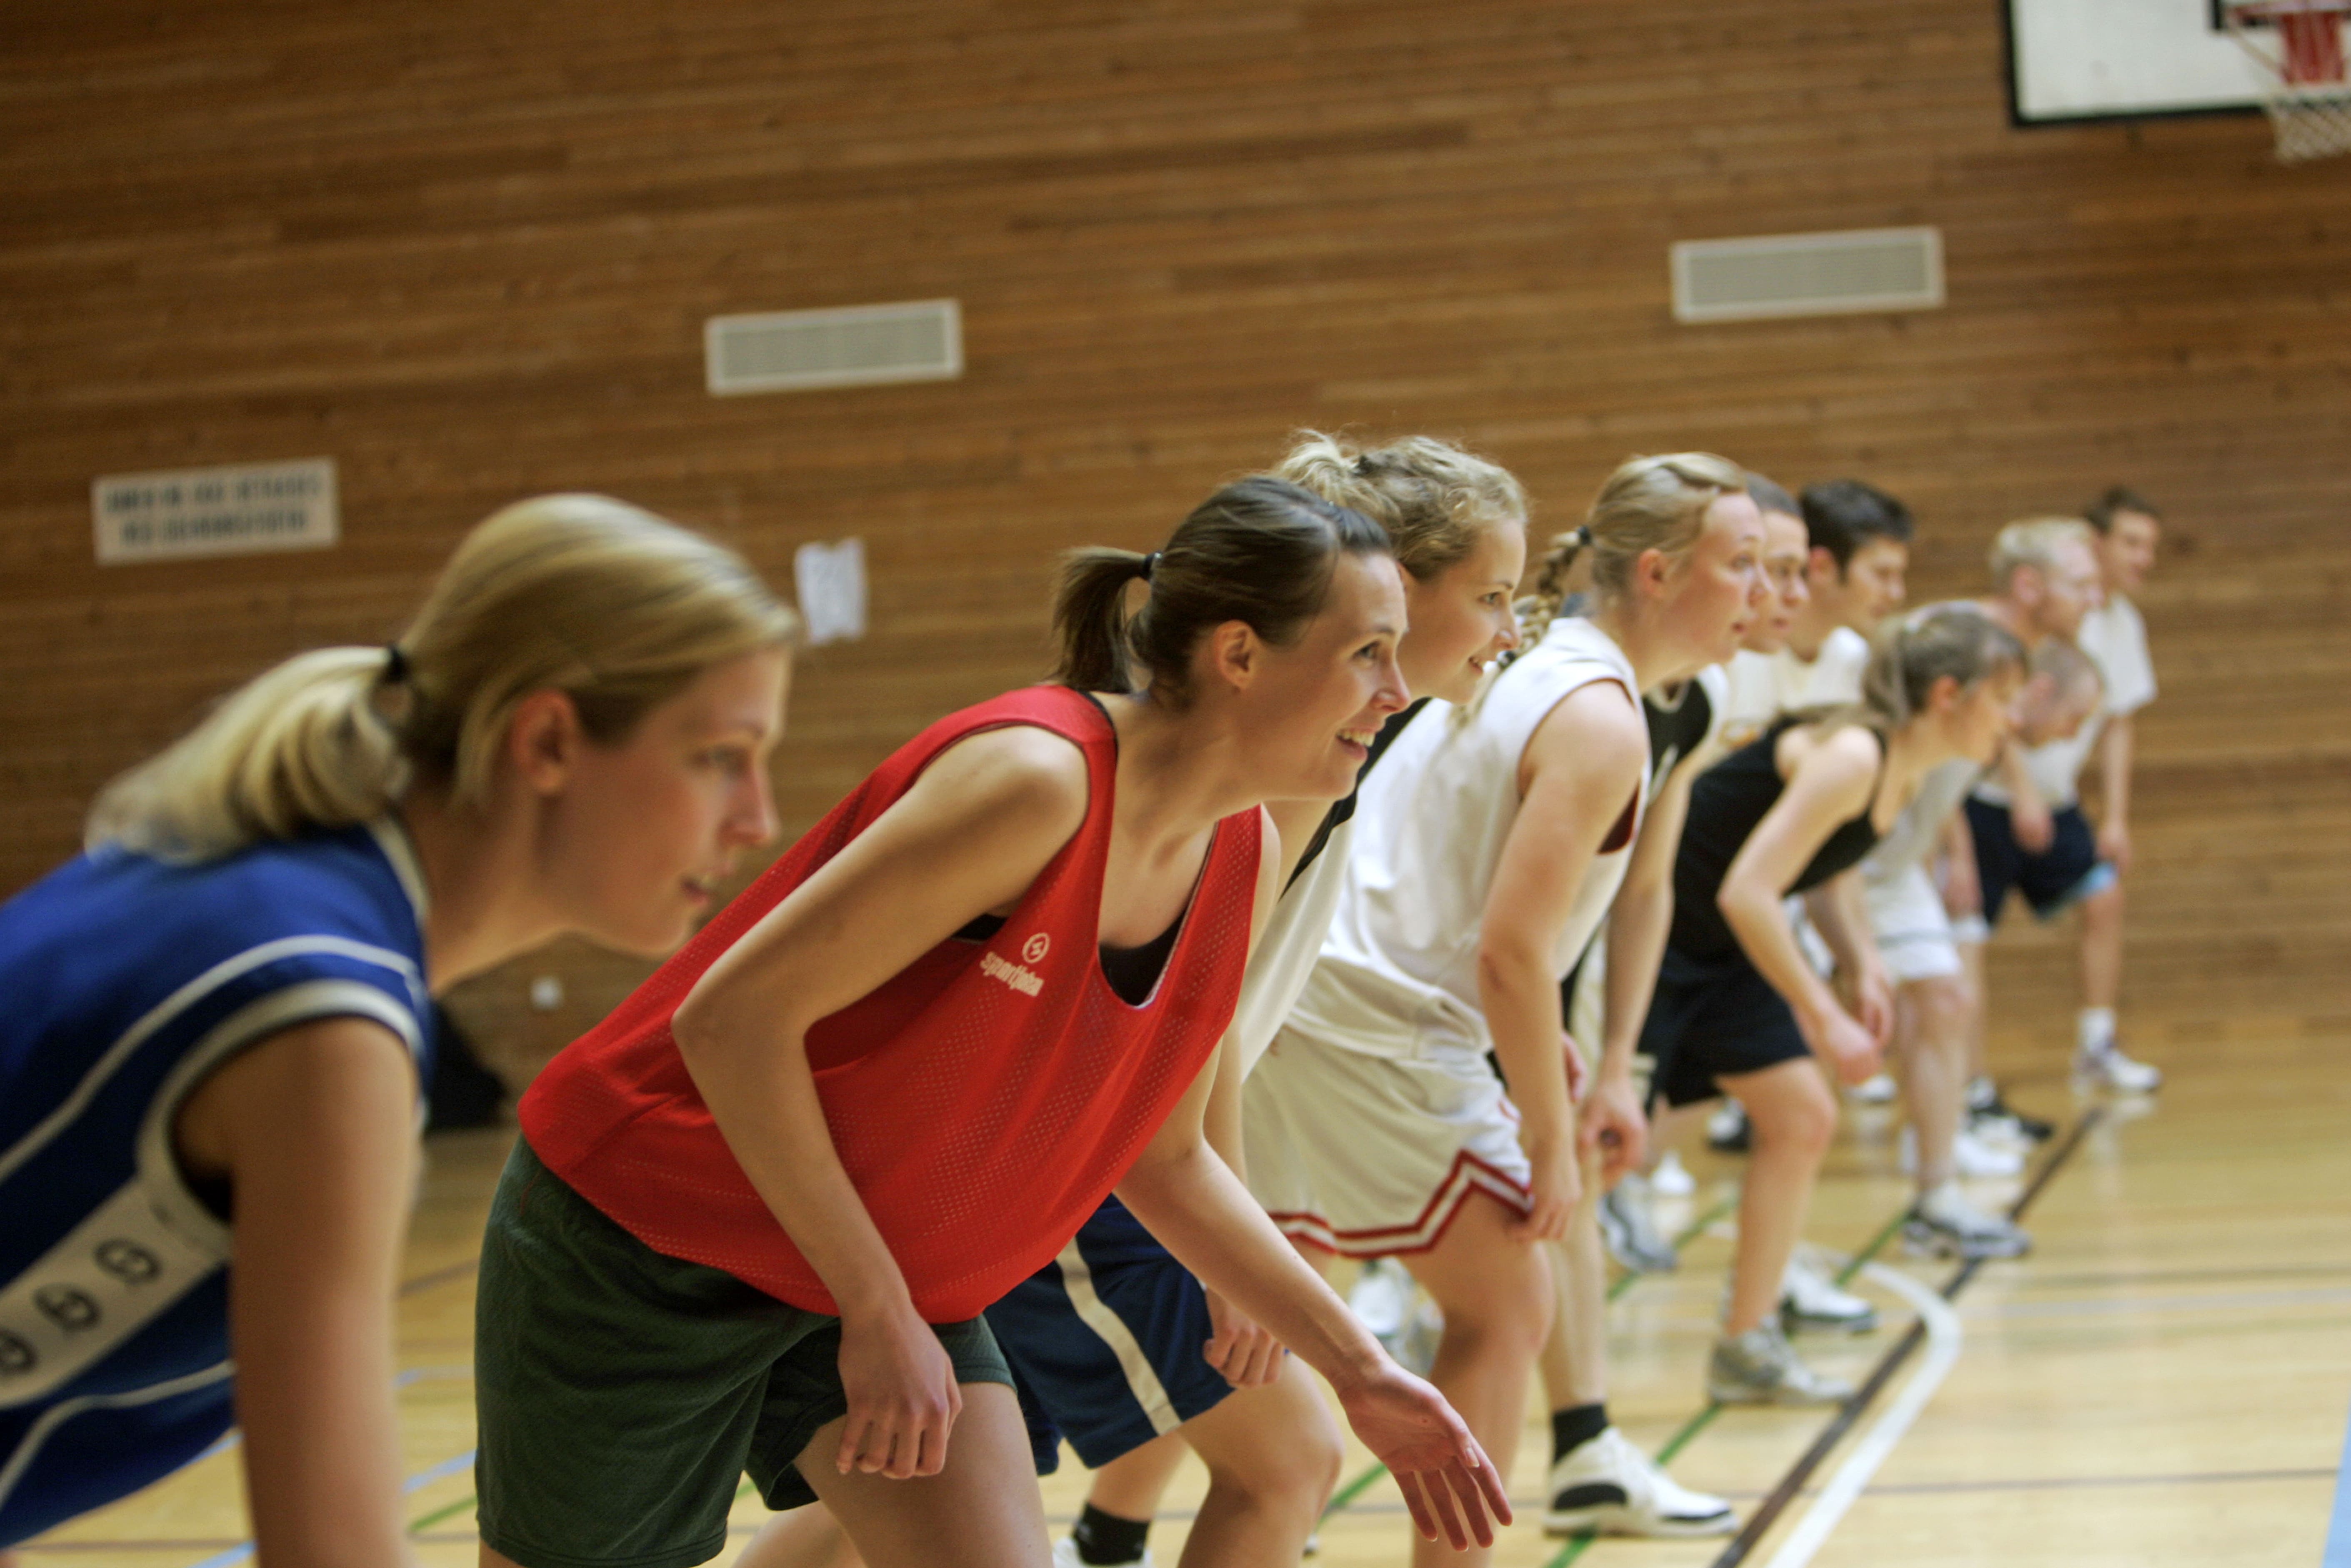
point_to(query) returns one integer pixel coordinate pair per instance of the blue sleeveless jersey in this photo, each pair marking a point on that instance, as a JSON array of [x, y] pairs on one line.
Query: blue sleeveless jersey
[[123, 981]]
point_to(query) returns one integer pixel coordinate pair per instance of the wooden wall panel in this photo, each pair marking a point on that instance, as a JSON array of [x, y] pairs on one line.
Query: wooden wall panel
[[466, 248]]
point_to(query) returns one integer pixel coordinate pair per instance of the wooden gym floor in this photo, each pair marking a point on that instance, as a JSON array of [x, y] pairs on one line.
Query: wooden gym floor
[[2165, 1378]]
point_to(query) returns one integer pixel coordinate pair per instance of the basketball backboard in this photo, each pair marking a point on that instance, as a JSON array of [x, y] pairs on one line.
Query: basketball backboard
[[2073, 60]]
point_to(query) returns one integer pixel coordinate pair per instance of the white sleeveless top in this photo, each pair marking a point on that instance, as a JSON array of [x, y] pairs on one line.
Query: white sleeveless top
[[1397, 975], [1287, 950]]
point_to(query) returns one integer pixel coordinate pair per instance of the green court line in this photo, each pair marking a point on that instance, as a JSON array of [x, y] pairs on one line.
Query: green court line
[[1876, 1244], [427, 1522], [1690, 1232]]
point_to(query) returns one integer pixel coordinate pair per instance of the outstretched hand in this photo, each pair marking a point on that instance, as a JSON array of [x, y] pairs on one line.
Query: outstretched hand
[[1448, 1483]]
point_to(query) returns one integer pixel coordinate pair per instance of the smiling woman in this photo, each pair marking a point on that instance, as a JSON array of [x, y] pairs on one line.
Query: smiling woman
[[892, 1080], [217, 1023]]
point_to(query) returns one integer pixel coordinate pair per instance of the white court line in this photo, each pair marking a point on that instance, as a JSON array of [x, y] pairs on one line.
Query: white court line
[[1944, 1339]]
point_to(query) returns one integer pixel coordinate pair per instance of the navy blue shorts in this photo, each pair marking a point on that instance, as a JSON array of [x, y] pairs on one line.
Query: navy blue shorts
[[2063, 874], [1106, 1344], [1711, 1018]]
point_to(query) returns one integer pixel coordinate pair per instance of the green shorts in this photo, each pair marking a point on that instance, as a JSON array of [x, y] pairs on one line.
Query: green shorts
[[621, 1393]]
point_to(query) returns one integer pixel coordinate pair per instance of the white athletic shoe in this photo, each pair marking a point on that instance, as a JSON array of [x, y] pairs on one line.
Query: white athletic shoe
[[1973, 1157], [1610, 1487], [1672, 1178], [2110, 1068], [1944, 1226], [1630, 1232], [1065, 1555], [1415, 1348], [1726, 1131], [1810, 1300], [1759, 1368], [1381, 1299], [1877, 1090]]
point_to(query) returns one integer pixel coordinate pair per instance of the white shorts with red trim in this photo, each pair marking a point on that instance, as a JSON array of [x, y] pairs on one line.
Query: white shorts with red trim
[[1370, 1157]]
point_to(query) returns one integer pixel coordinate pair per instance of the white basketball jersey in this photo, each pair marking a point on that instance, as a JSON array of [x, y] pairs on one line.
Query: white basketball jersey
[[1398, 974]]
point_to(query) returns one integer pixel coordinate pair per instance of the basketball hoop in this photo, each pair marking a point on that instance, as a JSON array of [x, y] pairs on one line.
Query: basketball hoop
[[2302, 63]]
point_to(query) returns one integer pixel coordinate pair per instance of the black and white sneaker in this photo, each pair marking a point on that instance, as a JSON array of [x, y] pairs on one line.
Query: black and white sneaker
[[1609, 1487], [1991, 1116]]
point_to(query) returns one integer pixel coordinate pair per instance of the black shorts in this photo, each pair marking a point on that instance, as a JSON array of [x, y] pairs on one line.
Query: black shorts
[[1713, 1018], [2060, 876]]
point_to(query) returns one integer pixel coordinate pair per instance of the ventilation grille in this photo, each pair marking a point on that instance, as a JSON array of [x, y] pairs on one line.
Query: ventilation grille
[[863, 345], [1808, 275]]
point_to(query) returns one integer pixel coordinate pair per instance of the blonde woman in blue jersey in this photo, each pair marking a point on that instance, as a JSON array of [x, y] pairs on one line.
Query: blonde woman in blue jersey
[[219, 1014], [1489, 845]]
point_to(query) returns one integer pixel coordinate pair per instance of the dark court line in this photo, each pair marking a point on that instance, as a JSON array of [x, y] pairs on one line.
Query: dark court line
[[1767, 1514]]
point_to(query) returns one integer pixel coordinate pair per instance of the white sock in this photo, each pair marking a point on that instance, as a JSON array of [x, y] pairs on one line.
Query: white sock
[[2097, 1030], [1982, 1092], [1940, 1199]]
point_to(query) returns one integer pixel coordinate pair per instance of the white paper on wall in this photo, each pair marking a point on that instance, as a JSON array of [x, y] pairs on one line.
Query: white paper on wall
[[830, 583]]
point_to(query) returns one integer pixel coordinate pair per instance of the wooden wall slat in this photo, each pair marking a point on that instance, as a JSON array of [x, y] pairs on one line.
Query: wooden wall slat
[[466, 249]]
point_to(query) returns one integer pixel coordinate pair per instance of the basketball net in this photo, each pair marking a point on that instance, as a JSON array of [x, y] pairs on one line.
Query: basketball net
[[2302, 64]]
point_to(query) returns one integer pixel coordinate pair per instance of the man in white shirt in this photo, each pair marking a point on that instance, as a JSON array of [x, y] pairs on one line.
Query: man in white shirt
[[2028, 830], [1857, 556]]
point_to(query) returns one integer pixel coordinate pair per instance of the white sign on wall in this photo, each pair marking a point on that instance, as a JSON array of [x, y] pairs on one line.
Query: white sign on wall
[[830, 581], [235, 510]]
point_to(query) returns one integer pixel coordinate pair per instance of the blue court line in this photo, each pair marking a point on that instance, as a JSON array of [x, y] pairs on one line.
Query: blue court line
[[2338, 1531]]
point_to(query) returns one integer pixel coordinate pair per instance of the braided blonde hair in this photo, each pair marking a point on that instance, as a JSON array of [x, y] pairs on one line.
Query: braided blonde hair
[[1648, 504]]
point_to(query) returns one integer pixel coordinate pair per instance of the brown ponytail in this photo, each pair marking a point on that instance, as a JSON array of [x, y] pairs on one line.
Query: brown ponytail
[[1911, 653], [1260, 551]]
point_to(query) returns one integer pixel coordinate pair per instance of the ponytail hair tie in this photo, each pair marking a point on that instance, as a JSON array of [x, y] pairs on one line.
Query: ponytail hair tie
[[1149, 563], [1583, 536], [395, 666]]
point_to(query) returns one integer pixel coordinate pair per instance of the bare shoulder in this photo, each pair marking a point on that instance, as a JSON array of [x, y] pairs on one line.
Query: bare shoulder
[[1596, 731], [1840, 761]]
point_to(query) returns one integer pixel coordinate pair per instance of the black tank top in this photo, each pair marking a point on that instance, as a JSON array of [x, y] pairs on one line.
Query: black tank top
[[1676, 728], [1726, 802]]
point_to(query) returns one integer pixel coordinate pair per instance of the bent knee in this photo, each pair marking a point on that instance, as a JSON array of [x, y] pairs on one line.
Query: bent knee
[[1294, 1470], [1805, 1118]]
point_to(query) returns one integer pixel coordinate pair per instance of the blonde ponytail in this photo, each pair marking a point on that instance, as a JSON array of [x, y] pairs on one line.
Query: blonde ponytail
[[583, 594], [1434, 499], [1649, 503]]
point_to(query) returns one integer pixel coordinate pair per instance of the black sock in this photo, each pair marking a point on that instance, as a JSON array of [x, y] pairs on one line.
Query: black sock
[[1105, 1538], [1575, 1426]]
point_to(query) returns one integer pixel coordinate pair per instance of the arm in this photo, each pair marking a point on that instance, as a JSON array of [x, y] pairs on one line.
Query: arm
[[1242, 1350], [1638, 927], [315, 1129], [2115, 768], [1963, 886], [1841, 915], [1829, 783], [1581, 765], [2028, 813], [969, 837], [1187, 1198]]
